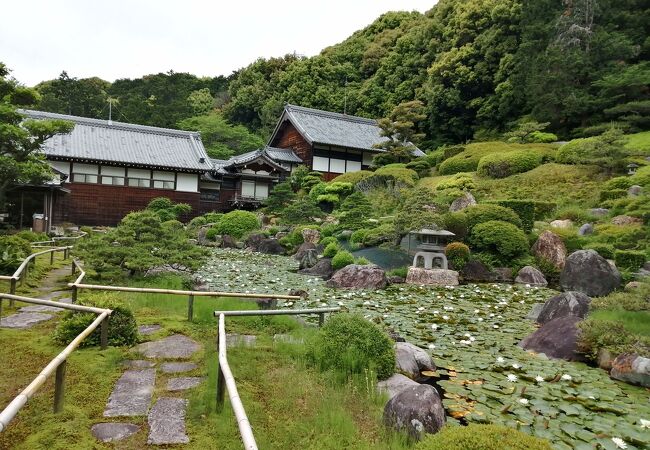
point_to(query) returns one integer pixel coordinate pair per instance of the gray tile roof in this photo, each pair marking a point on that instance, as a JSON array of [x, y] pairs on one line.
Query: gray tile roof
[[329, 128], [279, 156], [139, 145]]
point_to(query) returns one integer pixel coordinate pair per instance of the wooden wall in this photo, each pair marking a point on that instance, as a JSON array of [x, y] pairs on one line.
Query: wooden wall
[[289, 137]]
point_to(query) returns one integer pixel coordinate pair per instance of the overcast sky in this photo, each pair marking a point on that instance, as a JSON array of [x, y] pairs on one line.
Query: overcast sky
[[130, 38]]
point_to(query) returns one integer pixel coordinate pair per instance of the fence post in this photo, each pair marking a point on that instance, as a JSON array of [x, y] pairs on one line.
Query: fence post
[[51, 257], [73, 268], [59, 387], [321, 319], [190, 308], [65, 253], [12, 290], [104, 333], [74, 293], [221, 382], [25, 275]]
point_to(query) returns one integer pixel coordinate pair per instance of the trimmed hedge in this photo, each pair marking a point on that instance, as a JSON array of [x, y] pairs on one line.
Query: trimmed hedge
[[331, 249], [525, 209], [604, 250], [468, 160], [502, 239], [341, 259], [486, 212], [237, 223], [629, 259], [457, 254], [353, 177], [481, 437], [501, 165]]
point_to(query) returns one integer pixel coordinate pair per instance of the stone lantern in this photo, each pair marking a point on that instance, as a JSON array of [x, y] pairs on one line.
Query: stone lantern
[[431, 247], [631, 168]]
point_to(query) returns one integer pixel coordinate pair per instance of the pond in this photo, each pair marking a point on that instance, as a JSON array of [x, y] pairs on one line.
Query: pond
[[471, 331]]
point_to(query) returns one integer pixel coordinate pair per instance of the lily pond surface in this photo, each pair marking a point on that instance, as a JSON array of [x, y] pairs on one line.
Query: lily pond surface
[[472, 332]]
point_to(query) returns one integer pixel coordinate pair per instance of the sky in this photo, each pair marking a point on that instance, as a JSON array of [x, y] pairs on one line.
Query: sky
[[126, 39]]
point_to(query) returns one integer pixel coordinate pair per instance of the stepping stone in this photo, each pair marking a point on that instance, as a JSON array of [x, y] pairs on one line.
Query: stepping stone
[[167, 422], [236, 340], [24, 320], [178, 367], [39, 308], [148, 329], [139, 364], [132, 394], [287, 339], [111, 432], [172, 347], [51, 295], [183, 383]]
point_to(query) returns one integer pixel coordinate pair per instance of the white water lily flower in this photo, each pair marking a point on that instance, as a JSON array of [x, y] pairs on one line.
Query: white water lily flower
[[644, 423], [436, 312], [567, 377], [445, 317], [465, 342], [495, 326], [500, 359], [512, 377], [523, 401], [480, 319], [620, 443], [516, 366], [472, 338], [421, 308], [539, 378], [434, 326], [476, 311], [432, 347]]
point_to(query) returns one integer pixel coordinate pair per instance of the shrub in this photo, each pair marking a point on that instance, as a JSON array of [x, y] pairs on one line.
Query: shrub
[[327, 240], [31, 236], [212, 217], [525, 209], [281, 196], [468, 160], [353, 177], [341, 259], [350, 344], [544, 209], [122, 327], [542, 137], [575, 214], [613, 194], [361, 261], [422, 166], [596, 334], [399, 272], [621, 236], [501, 165], [457, 254], [317, 190], [354, 212], [460, 181], [357, 238], [167, 209], [303, 210], [13, 250], [629, 259], [500, 238], [331, 249], [574, 151], [328, 229], [380, 234], [572, 241], [478, 214], [197, 222], [619, 183], [237, 223], [211, 234], [482, 437], [400, 175], [604, 250]]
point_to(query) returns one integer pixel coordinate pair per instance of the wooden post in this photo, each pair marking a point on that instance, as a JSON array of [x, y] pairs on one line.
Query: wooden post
[[73, 269], [221, 382], [190, 308], [321, 319], [12, 290], [104, 333], [65, 253], [51, 258], [59, 387], [74, 294]]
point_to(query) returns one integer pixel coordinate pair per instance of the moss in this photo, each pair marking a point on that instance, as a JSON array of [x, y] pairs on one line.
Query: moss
[[482, 437], [502, 165], [502, 239], [353, 177]]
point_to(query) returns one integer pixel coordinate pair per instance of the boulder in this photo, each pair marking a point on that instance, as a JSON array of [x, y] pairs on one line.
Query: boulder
[[534, 311], [587, 272], [566, 223], [475, 271], [626, 220], [586, 229], [532, 276], [416, 410], [345, 234], [503, 274], [556, 339], [605, 359], [303, 249], [462, 202], [411, 360], [356, 276], [550, 247], [631, 368], [565, 304], [396, 279], [309, 260], [311, 236], [634, 191], [228, 241], [267, 303], [323, 269], [271, 247], [254, 241], [280, 234], [201, 236], [632, 285], [435, 277], [599, 212], [395, 384]]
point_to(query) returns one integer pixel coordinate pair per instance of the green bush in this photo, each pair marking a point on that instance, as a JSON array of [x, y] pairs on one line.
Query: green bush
[[212, 217], [541, 137], [449, 151], [399, 272], [318, 190], [572, 241], [380, 234], [197, 222], [604, 250], [618, 183], [350, 344], [596, 334], [625, 237], [574, 213], [573, 152], [303, 210], [167, 209], [327, 240], [354, 212], [613, 194], [456, 222], [629, 259], [457, 254], [500, 238], [544, 209], [122, 327], [13, 250], [468, 159], [356, 239], [31, 236], [341, 259], [328, 229], [486, 212], [637, 299], [237, 223], [400, 175], [331, 249], [422, 166], [211, 234], [501, 165], [482, 437], [353, 177], [361, 261], [460, 181], [525, 209]]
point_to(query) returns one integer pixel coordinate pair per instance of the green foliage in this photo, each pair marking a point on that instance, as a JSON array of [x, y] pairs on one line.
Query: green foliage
[[353, 177], [302, 179], [350, 344], [527, 132], [606, 150], [237, 223], [416, 211], [486, 212], [596, 334], [422, 166], [501, 165], [574, 213], [280, 197], [630, 259], [357, 238], [525, 209], [399, 272], [500, 238], [197, 222], [613, 194], [624, 237], [637, 299], [456, 222], [361, 261], [13, 250], [341, 259], [300, 211], [212, 234], [331, 249], [400, 131], [379, 235], [399, 175], [327, 240], [481, 437], [543, 138], [461, 181], [32, 236], [468, 160], [570, 237], [604, 250], [354, 212], [167, 209], [457, 254]]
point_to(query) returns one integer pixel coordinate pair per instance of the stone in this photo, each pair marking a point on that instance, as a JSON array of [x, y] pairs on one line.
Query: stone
[[254, 241], [24, 320], [310, 236], [240, 340], [148, 329], [309, 260], [395, 384], [271, 247], [39, 308], [138, 364], [587, 272], [323, 269], [646, 266], [476, 272], [462, 202], [167, 422], [267, 303], [434, 277], [632, 285], [566, 223], [586, 229], [634, 190], [531, 275], [395, 336], [556, 339], [172, 347], [599, 212], [605, 359], [132, 393], [178, 367], [534, 311], [564, 304], [631, 368], [303, 249], [298, 293], [356, 276], [287, 339], [183, 383], [395, 279], [626, 220], [228, 241], [416, 410], [550, 247], [112, 432], [503, 274], [411, 360]]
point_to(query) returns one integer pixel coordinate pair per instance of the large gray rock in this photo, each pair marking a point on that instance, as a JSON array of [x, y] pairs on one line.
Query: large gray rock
[[535, 311], [112, 432], [172, 347], [323, 269], [565, 304], [132, 393], [586, 229], [304, 248], [556, 339], [549, 246], [434, 277], [634, 191], [228, 241], [631, 368], [309, 260], [566, 223], [356, 276], [395, 384], [587, 272], [462, 202], [254, 240], [411, 360], [599, 212], [626, 220], [311, 236], [532, 276], [167, 422], [477, 272], [503, 274], [416, 410], [271, 247]]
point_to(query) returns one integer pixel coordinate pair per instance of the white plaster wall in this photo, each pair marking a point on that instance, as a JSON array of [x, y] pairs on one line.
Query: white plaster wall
[[187, 182], [63, 166]]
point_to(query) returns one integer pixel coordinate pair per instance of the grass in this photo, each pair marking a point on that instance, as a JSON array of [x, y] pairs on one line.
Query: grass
[[639, 142], [636, 322]]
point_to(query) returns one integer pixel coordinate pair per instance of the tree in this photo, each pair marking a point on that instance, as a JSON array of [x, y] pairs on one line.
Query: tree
[[21, 140], [201, 101], [400, 129], [86, 97], [354, 212], [281, 196], [525, 132]]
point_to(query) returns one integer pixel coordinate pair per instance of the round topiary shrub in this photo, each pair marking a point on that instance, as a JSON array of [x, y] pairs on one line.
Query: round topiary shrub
[[485, 212], [327, 240], [237, 223], [499, 238], [211, 234], [341, 259], [331, 249], [604, 250], [481, 437], [457, 254], [348, 343], [501, 165]]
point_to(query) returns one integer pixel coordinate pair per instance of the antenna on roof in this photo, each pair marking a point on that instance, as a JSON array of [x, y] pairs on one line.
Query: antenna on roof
[[345, 95], [110, 109]]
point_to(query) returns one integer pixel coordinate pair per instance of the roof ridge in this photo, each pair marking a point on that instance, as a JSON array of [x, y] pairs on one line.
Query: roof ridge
[[330, 114]]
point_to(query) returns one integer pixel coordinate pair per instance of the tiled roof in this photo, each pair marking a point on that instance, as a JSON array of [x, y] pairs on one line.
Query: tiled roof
[[279, 156], [97, 140], [329, 128]]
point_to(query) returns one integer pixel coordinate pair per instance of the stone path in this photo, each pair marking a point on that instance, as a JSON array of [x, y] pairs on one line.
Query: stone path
[[132, 394], [167, 422]]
